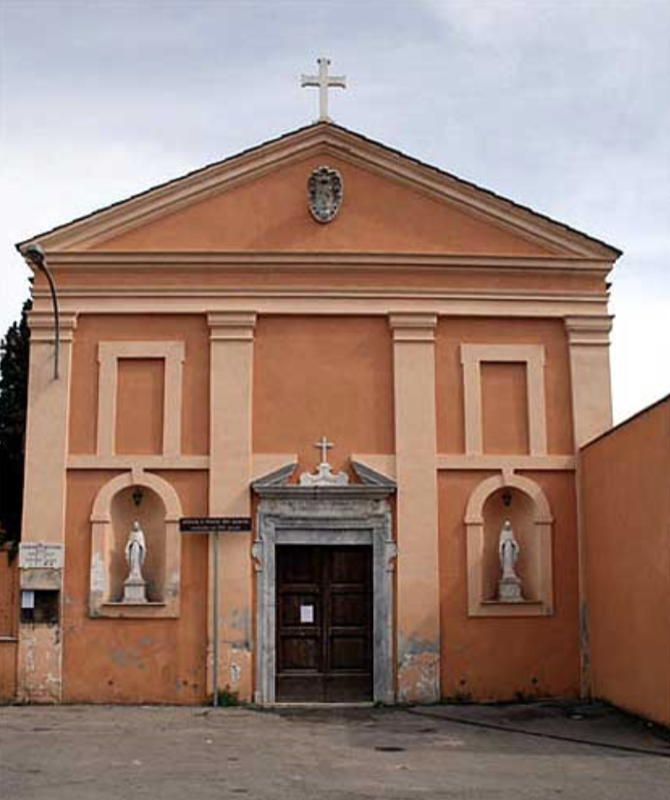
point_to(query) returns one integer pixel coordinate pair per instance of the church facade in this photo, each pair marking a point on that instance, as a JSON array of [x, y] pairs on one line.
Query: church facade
[[376, 375]]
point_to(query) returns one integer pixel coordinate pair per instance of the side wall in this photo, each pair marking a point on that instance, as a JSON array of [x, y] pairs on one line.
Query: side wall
[[626, 506]]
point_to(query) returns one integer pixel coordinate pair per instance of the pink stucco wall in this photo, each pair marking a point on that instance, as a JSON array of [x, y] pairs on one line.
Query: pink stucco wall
[[626, 507]]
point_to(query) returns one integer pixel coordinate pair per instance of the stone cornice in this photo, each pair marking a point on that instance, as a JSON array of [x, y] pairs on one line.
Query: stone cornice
[[373, 486], [91, 461], [298, 292], [300, 301], [332, 493], [42, 329], [599, 267], [444, 462], [593, 331], [231, 326], [413, 327]]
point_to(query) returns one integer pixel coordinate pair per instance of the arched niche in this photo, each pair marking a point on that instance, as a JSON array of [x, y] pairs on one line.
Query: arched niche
[[155, 504], [524, 504]]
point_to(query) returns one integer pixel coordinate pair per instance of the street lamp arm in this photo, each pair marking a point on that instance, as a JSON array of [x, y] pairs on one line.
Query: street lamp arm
[[35, 255]]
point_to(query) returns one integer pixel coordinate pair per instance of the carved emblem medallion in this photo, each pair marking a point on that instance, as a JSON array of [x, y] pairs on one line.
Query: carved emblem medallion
[[325, 191]]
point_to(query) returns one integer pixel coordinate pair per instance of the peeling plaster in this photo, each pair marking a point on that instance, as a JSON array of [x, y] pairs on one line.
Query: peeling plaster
[[238, 620], [97, 574], [413, 645], [418, 670], [39, 664]]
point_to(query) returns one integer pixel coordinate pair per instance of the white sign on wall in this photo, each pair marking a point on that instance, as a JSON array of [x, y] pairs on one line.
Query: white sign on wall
[[38, 555]]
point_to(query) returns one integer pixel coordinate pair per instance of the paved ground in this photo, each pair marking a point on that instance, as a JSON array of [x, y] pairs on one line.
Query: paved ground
[[114, 753]]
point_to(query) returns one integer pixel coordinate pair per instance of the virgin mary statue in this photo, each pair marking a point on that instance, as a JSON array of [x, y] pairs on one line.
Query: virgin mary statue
[[134, 587]]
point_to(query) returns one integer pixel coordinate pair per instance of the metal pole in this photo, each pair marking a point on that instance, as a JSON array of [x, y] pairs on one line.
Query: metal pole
[[54, 300], [215, 624], [35, 255]]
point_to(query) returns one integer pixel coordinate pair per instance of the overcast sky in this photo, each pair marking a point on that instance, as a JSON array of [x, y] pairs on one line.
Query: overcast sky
[[562, 105]]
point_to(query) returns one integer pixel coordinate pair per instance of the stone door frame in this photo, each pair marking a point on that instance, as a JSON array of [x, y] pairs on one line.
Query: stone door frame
[[347, 515]]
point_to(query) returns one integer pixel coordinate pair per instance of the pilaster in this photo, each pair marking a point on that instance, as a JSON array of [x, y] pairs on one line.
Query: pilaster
[[230, 474], [588, 341], [40, 643], [418, 595]]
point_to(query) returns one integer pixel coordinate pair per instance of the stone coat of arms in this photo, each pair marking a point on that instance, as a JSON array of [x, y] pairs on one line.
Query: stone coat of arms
[[325, 190]]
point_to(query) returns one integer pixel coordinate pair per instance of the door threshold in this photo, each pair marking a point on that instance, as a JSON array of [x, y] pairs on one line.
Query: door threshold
[[321, 705]]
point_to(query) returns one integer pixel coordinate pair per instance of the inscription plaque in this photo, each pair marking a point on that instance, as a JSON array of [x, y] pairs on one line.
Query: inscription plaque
[[215, 524], [38, 555]]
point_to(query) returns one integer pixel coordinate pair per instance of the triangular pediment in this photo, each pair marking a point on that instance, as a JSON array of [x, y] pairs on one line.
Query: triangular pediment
[[257, 202]]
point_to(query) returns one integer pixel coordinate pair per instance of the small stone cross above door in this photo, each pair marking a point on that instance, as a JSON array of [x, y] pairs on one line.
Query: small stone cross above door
[[324, 445], [324, 475]]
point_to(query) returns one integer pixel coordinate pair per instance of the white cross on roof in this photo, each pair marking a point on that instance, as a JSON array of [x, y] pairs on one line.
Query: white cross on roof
[[324, 82]]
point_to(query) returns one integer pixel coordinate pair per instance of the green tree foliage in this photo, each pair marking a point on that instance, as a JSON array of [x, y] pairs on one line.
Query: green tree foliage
[[14, 351]]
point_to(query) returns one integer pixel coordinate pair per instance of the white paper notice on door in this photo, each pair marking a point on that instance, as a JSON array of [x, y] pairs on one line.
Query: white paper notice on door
[[306, 614]]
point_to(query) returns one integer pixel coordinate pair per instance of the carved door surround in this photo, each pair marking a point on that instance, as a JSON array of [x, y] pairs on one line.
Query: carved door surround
[[357, 514]]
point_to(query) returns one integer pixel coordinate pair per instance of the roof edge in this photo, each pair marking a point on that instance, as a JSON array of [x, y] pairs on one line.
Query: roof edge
[[635, 415]]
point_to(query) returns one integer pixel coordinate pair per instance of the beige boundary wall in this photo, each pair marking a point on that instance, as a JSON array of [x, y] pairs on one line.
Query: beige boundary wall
[[625, 482]]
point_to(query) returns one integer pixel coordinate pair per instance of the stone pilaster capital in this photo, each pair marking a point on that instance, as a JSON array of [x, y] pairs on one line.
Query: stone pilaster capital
[[236, 326], [43, 329], [589, 330], [408, 327]]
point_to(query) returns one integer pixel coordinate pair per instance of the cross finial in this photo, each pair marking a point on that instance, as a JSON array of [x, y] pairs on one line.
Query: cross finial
[[324, 445], [324, 82]]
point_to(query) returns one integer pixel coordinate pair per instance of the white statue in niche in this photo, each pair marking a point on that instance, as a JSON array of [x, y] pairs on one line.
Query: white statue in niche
[[135, 587], [509, 585]]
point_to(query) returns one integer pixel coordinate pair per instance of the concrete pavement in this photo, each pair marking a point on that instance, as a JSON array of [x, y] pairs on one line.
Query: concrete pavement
[[119, 753]]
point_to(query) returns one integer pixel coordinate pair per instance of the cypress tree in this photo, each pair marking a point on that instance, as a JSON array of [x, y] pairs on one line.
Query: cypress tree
[[14, 352]]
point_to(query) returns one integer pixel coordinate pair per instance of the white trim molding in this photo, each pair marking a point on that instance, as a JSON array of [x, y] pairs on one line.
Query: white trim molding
[[231, 362], [413, 327], [532, 355], [109, 354], [418, 651], [279, 261], [588, 341]]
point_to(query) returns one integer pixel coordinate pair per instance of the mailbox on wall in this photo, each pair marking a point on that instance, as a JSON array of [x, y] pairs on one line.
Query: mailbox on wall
[[40, 607]]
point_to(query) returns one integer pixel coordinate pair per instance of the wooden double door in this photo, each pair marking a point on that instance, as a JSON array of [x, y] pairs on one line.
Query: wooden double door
[[324, 623]]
